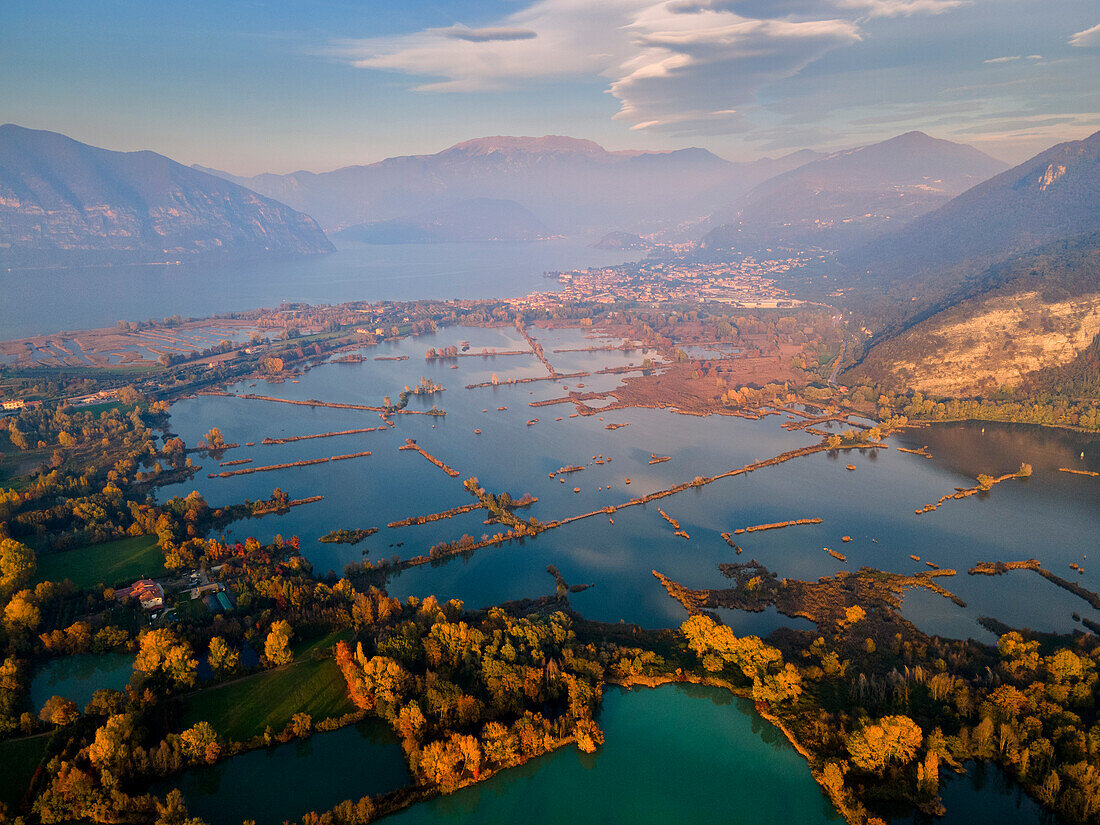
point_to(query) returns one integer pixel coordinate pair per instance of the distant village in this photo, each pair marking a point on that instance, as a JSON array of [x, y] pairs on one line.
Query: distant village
[[747, 283]]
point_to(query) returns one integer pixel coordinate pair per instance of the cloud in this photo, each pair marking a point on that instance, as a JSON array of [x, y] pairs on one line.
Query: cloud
[[1088, 39], [1013, 58], [686, 66], [486, 35], [900, 8], [568, 39], [694, 72]]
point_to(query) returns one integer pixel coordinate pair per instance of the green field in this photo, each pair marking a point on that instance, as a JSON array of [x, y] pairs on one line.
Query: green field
[[243, 709], [115, 562], [19, 758]]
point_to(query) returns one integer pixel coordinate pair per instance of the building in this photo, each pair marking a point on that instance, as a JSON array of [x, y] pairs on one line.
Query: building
[[146, 591]]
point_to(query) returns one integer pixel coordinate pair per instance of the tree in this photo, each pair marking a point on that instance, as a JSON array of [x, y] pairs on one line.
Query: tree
[[893, 739], [111, 747], [21, 612], [58, 711], [214, 439], [161, 652], [200, 743], [277, 645], [17, 566], [222, 658]]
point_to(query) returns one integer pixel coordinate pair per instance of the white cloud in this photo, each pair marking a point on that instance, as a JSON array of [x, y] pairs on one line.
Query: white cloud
[[1013, 58], [685, 66], [900, 8], [1089, 38], [569, 38], [693, 72]]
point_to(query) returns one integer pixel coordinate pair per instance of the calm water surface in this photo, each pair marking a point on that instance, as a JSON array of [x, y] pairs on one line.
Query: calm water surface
[[1052, 516], [77, 677], [50, 300], [675, 754], [282, 783]]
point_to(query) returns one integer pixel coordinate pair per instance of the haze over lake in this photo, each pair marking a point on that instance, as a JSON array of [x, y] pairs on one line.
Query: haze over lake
[[50, 300]]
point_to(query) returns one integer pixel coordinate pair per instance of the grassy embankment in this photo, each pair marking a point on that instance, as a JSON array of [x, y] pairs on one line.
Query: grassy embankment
[[242, 709], [19, 758]]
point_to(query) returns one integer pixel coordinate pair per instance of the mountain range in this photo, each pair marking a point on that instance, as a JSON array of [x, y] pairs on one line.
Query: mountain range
[[64, 202], [1054, 195], [574, 187], [849, 197], [1002, 283]]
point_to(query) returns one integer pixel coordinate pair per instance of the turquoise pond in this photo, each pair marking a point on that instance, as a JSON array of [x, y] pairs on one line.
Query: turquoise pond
[[679, 753], [674, 754]]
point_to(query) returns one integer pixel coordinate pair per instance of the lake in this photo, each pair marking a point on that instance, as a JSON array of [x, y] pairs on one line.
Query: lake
[[77, 677], [683, 753], [40, 301], [284, 782], [1051, 516]]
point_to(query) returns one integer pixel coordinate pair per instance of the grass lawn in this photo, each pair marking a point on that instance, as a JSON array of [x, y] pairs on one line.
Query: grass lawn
[[241, 710], [115, 562], [19, 758]]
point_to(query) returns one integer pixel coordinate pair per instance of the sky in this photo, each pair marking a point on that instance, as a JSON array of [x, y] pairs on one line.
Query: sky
[[253, 86]]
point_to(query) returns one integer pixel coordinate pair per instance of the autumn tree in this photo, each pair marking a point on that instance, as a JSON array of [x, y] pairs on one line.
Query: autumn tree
[[892, 739], [223, 659], [200, 743], [58, 711], [716, 646], [21, 613], [17, 566], [162, 653], [214, 439], [277, 645]]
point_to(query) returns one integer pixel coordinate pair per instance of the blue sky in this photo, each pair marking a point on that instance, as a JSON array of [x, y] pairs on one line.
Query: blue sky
[[289, 84]]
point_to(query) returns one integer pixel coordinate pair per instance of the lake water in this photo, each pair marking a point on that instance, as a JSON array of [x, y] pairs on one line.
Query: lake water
[[285, 782], [1052, 516], [675, 754], [77, 677], [984, 795], [49, 300]]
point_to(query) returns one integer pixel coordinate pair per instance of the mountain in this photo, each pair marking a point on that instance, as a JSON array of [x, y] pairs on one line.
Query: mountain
[[848, 197], [479, 219], [574, 186], [64, 202], [621, 240], [1031, 321], [1054, 195]]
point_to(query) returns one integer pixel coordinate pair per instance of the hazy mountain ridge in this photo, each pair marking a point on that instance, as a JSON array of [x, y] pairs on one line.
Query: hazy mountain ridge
[[476, 220], [1052, 196], [62, 201], [574, 186], [847, 197]]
